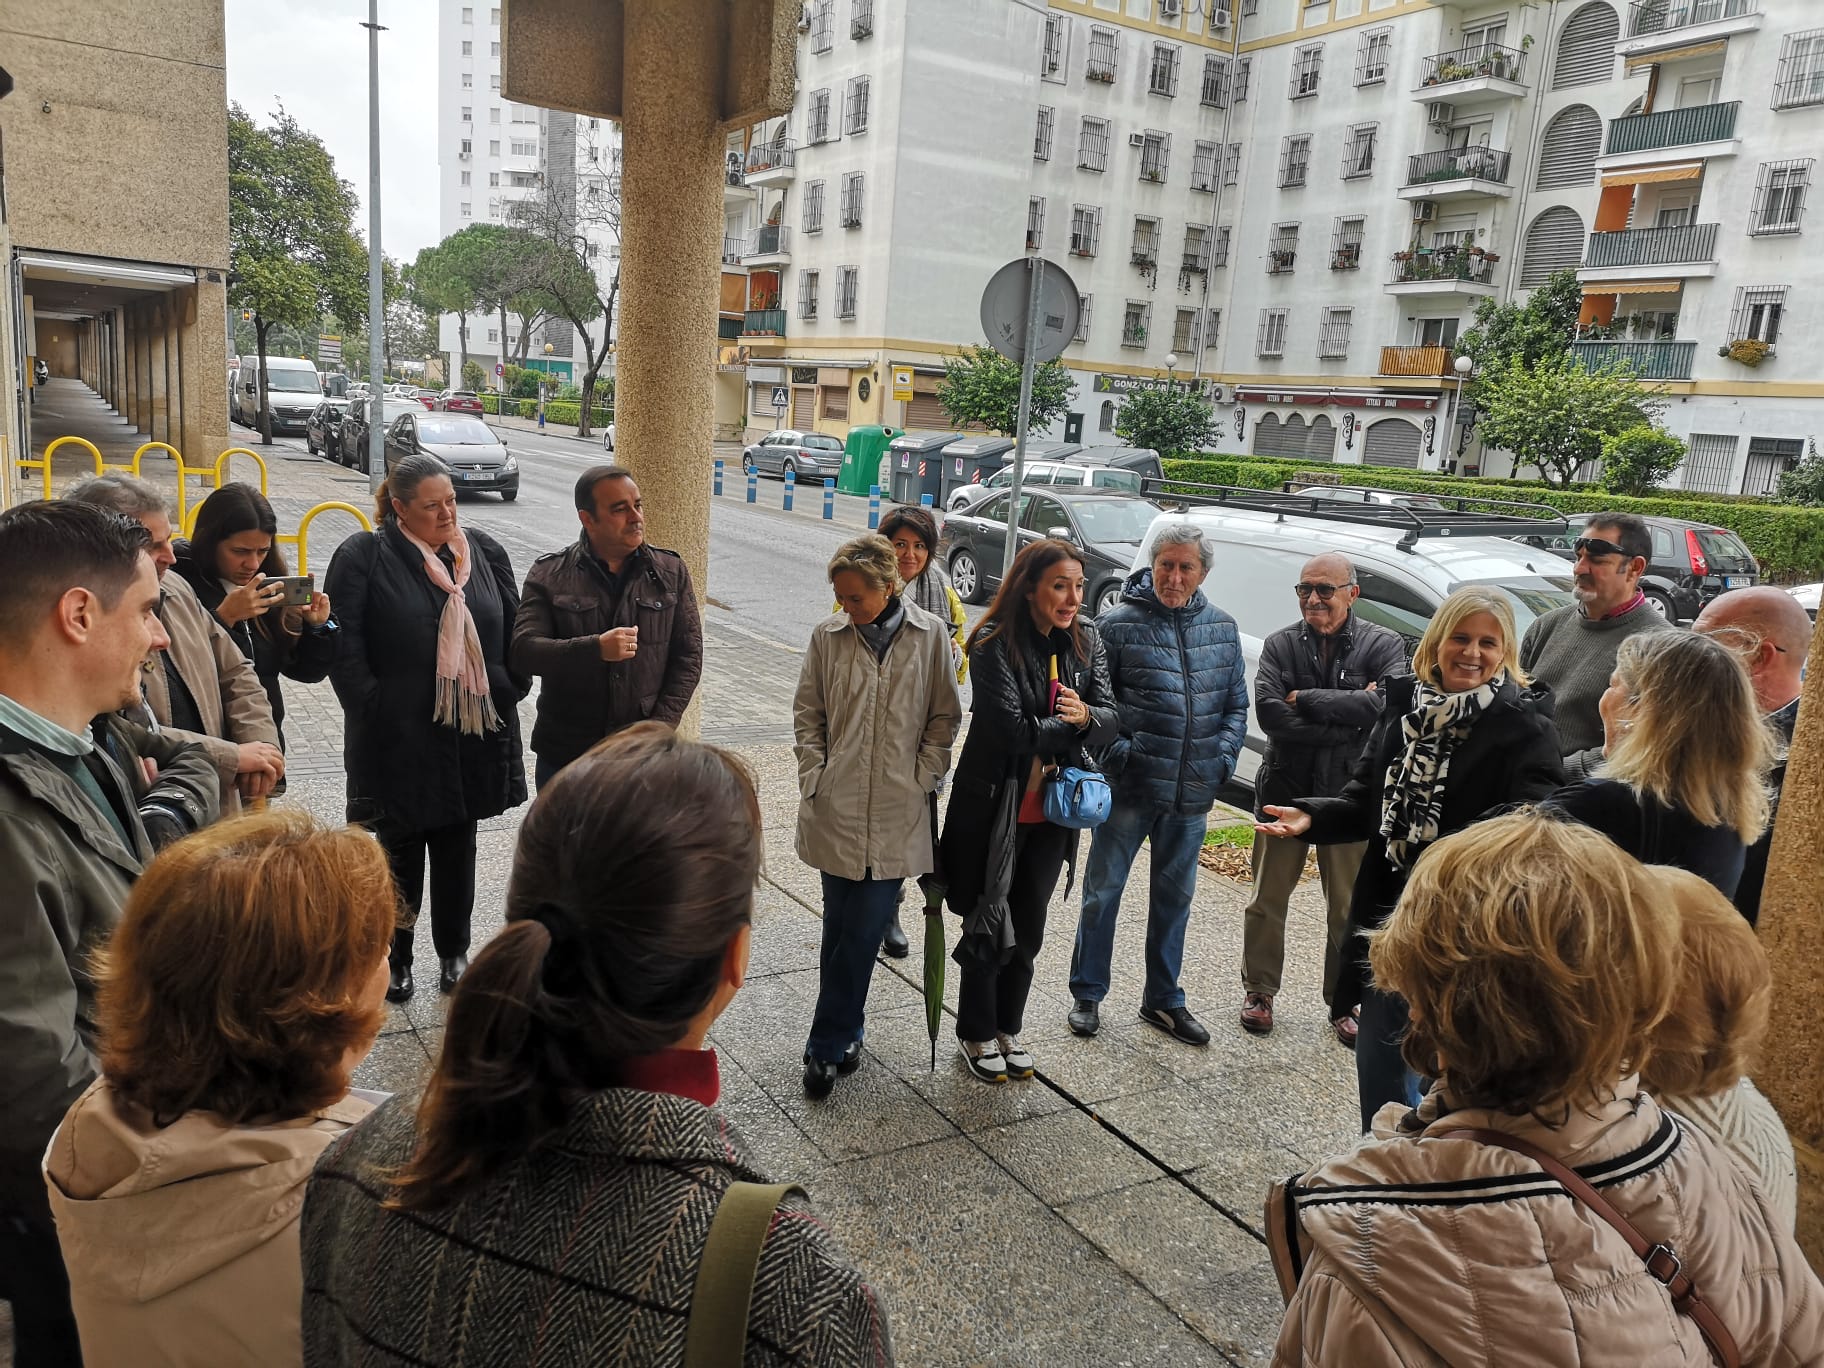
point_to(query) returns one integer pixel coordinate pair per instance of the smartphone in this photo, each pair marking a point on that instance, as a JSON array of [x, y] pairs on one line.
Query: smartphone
[[298, 589]]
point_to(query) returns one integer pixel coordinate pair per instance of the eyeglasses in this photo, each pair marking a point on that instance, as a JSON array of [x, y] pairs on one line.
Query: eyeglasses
[[1597, 547], [1322, 591]]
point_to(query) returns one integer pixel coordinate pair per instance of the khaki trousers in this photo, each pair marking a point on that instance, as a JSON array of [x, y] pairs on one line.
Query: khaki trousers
[[1277, 862]]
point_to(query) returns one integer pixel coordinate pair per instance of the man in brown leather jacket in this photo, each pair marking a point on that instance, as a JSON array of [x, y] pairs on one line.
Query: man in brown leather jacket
[[609, 626]]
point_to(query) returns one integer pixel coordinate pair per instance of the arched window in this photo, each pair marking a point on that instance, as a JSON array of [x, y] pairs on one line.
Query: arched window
[[1586, 47], [1553, 243], [1392, 442], [1568, 152], [1106, 423]]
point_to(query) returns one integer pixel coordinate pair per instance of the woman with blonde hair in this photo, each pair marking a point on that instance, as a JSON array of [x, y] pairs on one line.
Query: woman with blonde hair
[[244, 984], [1538, 961], [1704, 1048], [1465, 734], [1684, 778]]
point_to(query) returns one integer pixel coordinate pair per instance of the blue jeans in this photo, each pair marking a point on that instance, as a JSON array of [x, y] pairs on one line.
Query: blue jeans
[[1177, 837], [855, 917], [1381, 1075]]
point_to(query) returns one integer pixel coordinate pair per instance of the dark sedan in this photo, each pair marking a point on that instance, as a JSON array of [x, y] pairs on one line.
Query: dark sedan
[[1106, 524], [477, 457], [323, 429], [810, 455], [351, 446]]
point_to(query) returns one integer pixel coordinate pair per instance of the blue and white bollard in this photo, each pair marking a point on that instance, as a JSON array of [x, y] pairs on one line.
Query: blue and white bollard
[[791, 485], [873, 508], [718, 488], [925, 501], [753, 486], [829, 499]]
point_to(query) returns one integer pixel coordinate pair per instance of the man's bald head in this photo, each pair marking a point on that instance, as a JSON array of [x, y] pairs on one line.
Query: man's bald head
[[1772, 632], [1331, 579]]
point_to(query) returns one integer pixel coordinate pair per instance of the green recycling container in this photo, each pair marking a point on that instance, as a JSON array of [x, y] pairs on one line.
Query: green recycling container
[[861, 462]]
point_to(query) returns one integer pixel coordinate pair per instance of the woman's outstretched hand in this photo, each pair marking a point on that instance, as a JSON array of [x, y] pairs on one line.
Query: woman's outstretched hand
[[1292, 822]]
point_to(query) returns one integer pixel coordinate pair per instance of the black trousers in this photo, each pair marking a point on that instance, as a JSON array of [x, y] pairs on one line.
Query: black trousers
[[33, 1280], [992, 1002], [452, 857]]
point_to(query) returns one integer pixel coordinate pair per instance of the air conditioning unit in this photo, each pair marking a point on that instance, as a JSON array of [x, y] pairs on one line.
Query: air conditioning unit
[[1171, 11], [1220, 20], [804, 19], [1440, 115], [462, 156], [1424, 211], [1136, 140]]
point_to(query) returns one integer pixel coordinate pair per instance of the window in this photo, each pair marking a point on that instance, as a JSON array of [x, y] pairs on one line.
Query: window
[[1041, 133], [1757, 314], [494, 81], [1707, 463], [1035, 223], [1215, 90], [1282, 249], [1438, 332], [468, 80], [1586, 46], [1219, 255], [1146, 242], [1479, 37], [1085, 230], [493, 178], [1134, 323], [1358, 151], [1092, 145], [861, 19], [807, 294], [1203, 166], [524, 147], [468, 146], [1372, 56], [494, 116], [493, 208], [466, 211], [858, 106], [1333, 333], [1801, 75], [1768, 459], [851, 200], [1231, 166], [1244, 69], [493, 147], [1105, 421], [1307, 62], [468, 114], [468, 48], [1154, 151], [468, 14], [846, 277], [823, 25], [493, 49], [1270, 339], [1102, 52], [1196, 248], [493, 334], [1083, 318], [1051, 56], [1162, 79], [1294, 160], [813, 207], [818, 121], [1184, 327], [1346, 243], [494, 16], [1779, 196], [465, 177], [1212, 329]]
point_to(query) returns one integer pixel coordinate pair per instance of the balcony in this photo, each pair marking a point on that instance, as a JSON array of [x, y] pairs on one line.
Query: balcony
[[1648, 360], [1676, 253], [1425, 363], [1444, 271], [1662, 25], [1697, 131], [772, 163], [772, 246], [764, 323], [733, 250], [1480, 69], [1458, 172]]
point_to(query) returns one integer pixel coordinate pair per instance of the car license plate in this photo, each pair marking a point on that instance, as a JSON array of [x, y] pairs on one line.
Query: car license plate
[[1732, 581], [475, 475]]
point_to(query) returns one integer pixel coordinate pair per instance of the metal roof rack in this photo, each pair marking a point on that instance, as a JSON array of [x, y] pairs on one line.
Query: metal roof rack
[[1461, 515]]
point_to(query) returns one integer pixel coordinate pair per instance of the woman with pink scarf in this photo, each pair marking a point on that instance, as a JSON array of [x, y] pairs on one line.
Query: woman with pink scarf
[[431, 738]]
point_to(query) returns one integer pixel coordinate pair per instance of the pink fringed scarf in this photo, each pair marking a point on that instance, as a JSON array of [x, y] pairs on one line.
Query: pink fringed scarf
[[463, 699]]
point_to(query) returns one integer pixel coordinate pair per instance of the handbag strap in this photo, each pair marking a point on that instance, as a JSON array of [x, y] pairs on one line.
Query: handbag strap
[[1661, 1260], [716, 1336]]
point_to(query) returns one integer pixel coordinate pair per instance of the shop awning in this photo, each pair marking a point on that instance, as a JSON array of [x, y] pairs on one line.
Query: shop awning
[[1647, 59], [1632, 287], [1656, 175]]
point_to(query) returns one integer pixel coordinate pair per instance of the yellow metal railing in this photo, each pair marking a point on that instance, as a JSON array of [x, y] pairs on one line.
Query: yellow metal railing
[[301, 538]]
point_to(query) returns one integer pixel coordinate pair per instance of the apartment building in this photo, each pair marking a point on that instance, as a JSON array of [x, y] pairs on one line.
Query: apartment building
[[1297, 205]]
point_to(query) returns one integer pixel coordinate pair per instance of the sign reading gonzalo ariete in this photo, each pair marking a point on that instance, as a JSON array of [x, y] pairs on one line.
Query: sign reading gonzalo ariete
[[1123, 385]]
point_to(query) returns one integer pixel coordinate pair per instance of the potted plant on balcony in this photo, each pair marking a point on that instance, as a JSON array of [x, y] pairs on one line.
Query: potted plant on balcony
[[1749, 351], [1105, 75]]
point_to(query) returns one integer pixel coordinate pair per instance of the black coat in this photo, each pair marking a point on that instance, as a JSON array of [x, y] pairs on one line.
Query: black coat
[[1510, 756], [1654, 833], [404, 768], [1011, 725]]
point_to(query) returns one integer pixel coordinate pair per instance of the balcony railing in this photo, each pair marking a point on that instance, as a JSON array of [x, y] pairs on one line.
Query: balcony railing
[[1646, 17], [1424, 362], [1687, 243], [772, 240], [1411, 268], [1673, 128], [1648, 360], [1479, 59], [733, 249], [770, 156], [764, 323], [1458, 163]]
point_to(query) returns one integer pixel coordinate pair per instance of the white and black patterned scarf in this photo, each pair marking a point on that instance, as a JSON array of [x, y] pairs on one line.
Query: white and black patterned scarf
[[1414, 793]]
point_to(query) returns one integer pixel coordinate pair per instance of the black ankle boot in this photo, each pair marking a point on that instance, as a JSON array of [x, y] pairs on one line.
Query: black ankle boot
[[896, 945], [399, 985], [451, 968]]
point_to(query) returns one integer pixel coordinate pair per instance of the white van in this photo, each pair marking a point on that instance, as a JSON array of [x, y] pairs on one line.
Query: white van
[[293, 390], [1407, 561]]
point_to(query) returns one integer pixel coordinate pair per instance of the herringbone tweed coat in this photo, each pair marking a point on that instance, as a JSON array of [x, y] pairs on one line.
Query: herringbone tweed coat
[[584, 1252]]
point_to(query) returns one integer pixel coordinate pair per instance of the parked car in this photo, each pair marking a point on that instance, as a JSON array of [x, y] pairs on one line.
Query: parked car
[[294, 387], [1143, 460], [1046, 473], [608, 438], [1691, 564], [351, 442], [810, 454], [1807, 595], [476, 455], [459, 401], [1356, 494], [1108, 524], [323, 431]]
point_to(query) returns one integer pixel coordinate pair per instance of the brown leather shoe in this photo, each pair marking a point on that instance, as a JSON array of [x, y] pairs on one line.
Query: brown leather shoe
[[1347, 1028], [1257, 1013]]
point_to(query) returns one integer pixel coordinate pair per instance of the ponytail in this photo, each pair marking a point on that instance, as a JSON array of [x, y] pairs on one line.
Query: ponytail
[[402, 480]]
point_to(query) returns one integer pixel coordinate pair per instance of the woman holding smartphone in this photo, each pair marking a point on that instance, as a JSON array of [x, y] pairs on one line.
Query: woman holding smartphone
[[233, 562]]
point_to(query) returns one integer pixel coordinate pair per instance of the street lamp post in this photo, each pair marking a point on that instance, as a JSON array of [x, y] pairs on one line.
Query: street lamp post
[[1447, 460], [376, 298], [1171, 366], [544, 385]]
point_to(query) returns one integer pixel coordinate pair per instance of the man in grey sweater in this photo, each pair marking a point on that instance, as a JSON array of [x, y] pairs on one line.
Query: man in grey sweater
[[1572, 649]]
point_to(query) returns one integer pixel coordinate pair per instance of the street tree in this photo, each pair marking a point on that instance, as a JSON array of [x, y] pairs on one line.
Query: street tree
[[1637, 461], [1544, 326], [411, 326], [564, 279], [1804, 483], [291, 234], [1171, 421], [444, 285], [1554, 413], [982, 386]]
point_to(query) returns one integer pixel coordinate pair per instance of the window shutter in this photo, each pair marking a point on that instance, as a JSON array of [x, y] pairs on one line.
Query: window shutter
[[1554, 242], [1586, 47], [1392, 442], [1568, 152]]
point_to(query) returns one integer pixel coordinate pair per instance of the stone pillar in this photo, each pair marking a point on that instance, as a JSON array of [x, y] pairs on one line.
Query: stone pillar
[[1791, 1072], [205, 352], [158, 392], [142, 366]]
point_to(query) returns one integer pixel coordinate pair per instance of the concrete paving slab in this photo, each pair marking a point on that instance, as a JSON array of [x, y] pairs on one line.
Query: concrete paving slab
[[1065, 1157], [396, 1064]]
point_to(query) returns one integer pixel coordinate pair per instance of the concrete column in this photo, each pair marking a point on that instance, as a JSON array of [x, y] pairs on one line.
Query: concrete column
[[142, 364], [1792, 928], [205, 352], [175, 305], [671, 274], [158, 410], [128, 404]]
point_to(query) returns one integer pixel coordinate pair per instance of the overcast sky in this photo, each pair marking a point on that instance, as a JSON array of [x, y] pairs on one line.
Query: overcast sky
[[313, 59]]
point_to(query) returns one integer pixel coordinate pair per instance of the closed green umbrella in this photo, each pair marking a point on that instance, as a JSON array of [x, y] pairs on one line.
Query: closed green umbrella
[[933, 887]]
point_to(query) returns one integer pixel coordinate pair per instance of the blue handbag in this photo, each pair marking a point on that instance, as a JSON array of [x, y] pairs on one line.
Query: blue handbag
[[1076, 798]]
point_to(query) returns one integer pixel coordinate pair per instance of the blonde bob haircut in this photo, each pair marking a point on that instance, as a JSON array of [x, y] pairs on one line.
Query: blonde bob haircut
[[872, 558], [1464, 603], [1537, 959], [1713, 1033], [1694, 736]]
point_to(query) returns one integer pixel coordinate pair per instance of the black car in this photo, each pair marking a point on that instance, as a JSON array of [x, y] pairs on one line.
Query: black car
[[476, 455], [323, 429], [351, 443], [1691, 563], [1107, 524]]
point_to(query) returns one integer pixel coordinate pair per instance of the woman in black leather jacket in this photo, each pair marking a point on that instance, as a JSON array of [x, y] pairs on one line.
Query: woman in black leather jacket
[[1001, 858]]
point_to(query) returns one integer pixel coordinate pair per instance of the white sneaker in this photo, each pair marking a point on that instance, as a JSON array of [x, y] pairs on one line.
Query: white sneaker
[[984, 1060], [1019, 1063]]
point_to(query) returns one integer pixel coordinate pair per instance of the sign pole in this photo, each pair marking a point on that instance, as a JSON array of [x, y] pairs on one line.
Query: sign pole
[[1036, 268]]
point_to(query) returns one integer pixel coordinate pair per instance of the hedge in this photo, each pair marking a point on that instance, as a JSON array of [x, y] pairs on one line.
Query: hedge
[[1788, 541], [555, 412]]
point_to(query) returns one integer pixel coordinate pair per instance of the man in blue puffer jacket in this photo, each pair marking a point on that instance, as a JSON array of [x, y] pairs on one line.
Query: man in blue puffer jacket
[[1181, 685]]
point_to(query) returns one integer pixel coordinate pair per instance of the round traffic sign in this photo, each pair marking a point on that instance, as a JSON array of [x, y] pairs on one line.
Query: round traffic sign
[[1004, 305]]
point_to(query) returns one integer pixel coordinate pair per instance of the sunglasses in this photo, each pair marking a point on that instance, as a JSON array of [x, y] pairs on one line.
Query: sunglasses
[[1322, 591], [1597, 547]]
